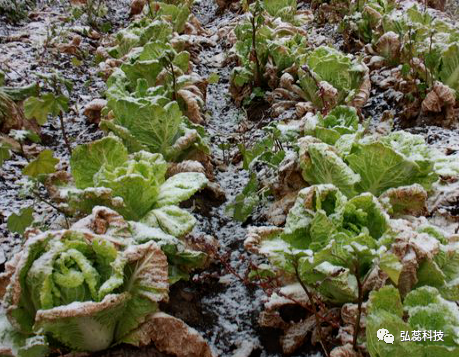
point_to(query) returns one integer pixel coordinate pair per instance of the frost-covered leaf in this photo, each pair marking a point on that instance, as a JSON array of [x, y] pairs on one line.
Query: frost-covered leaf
[[380, 168], [88, 159], [390, 264], [429, 311], [331, 66], [170, 335], [147, 70], [385, 312], [146, 279], [176, 14], [313, 218], [131, 143], [407, 200], [155, 126], [44, 164], [336, 284], [172, 219], [321, 164], [137, 181], [82, 289], [340, 121], [83, 326], [14, 343], [180, 187], [364, 213]]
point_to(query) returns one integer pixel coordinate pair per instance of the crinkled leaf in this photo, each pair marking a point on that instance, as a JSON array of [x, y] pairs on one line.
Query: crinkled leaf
[[380, 168], [171, 219], [180, 187], [390, 264], [87, 159], [131, 143], [321, 164], [364, 212], [137, 181], [154, 126]]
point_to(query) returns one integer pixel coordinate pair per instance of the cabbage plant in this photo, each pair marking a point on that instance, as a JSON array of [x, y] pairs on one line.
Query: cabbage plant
[[331, 241], [329, 77], [371, 164], [134, 185], [79, 290], [155, 84], [424, 313], [341, 250]]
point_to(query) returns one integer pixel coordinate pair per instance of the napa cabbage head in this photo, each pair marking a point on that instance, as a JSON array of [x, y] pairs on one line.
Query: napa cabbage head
[[328, 241], [82, 290], [133, 185], [370, 164], [342, 72], [147, 118]]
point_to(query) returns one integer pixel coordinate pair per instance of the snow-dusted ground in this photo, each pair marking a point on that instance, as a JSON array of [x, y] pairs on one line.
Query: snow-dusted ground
[[222, 308]]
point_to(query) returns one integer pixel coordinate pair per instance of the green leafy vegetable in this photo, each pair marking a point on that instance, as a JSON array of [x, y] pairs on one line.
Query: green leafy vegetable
[[40, 107], [325, 64], [133, 184], [83, 290], [370, 164]]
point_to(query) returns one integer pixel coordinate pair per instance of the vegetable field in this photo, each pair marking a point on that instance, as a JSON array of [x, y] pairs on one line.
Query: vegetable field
[[254, 178]]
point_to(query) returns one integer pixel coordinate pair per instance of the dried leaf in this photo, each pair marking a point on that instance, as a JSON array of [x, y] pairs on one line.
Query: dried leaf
[[295, 335], [193, 109], [93, 110], [171, 335]]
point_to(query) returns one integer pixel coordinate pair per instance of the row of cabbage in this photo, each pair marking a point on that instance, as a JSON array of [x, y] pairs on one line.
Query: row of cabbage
[[99, 282], [276, 54], [356, 240], [421, 42]]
